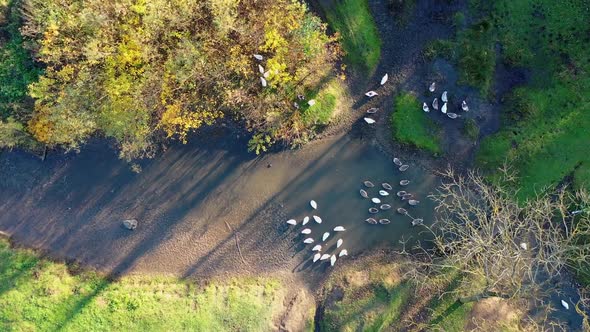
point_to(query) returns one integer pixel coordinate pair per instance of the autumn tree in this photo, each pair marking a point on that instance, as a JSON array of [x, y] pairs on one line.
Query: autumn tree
[[138, 70]]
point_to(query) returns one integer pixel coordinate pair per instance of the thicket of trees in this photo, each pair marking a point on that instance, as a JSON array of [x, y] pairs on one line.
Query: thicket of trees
[[138, 70], [488, 244]]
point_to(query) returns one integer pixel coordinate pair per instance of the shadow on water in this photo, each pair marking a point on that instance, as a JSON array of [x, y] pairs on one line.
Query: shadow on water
[[72, 206]]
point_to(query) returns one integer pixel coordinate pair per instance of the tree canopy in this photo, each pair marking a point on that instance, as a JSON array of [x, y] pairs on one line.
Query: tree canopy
[[138, 70]]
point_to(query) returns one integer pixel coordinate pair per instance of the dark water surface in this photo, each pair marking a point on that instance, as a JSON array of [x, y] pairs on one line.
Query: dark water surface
[[72, 205]]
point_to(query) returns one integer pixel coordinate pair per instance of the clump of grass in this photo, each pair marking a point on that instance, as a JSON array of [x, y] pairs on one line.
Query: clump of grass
[[476, 57], [440, 48], [519, 106], [326, 101], [446, 313], [459, 20], [372, 298], [412, 127], [473, 52], [360, 37], [402, 10], [471, 129], [45, 296]]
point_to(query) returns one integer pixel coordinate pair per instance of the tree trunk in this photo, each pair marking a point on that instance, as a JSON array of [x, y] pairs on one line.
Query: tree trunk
[[483, 295], [44, 153], [474, 298]]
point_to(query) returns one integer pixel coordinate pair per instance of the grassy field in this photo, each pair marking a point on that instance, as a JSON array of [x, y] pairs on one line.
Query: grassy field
[[360, 38], [372, 296], [546, 123], [411, 126], [39, 295]]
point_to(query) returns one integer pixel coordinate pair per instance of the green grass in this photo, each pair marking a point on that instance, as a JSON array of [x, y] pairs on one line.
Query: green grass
[[402, 10], [546, 125], [39, 295], [373, 296], [411, 126], [360, 38], [327, 99], [471, 129], [372, 299], [476, 58], [446, 313]]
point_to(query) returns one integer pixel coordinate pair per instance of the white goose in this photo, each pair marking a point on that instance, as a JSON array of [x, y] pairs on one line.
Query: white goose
[[308, 240], [384, 79], [332, 260], [343, 252], [444, 108], [432, 87], [371, 94], [305, 220], [425, 108], [292, 222], [369, 120], [325, 236], [317, 219], [464, 106], [339, 229], [313, 204], [444, 97], [565, 305], [317, 247], [316, 257], [339, 243], [435, 103], [258, 57], [261, 69], [324, 257], [306, 231], [263, 82]]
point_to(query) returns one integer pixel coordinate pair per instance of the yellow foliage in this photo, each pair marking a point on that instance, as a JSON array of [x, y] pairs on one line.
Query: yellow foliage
[[41, 128], [175, 121], [225, 13], [274, 42], [278, 73]]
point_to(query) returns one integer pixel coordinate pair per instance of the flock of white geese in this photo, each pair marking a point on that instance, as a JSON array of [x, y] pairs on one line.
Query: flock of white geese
[[425, 107], [319, 256], [380, 205], [445, 100]]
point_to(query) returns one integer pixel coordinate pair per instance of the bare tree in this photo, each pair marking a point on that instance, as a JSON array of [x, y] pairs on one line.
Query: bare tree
[[494, 245]]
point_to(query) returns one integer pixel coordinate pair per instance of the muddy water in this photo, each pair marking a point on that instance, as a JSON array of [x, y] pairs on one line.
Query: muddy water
[[188, 198], [334, 184]]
